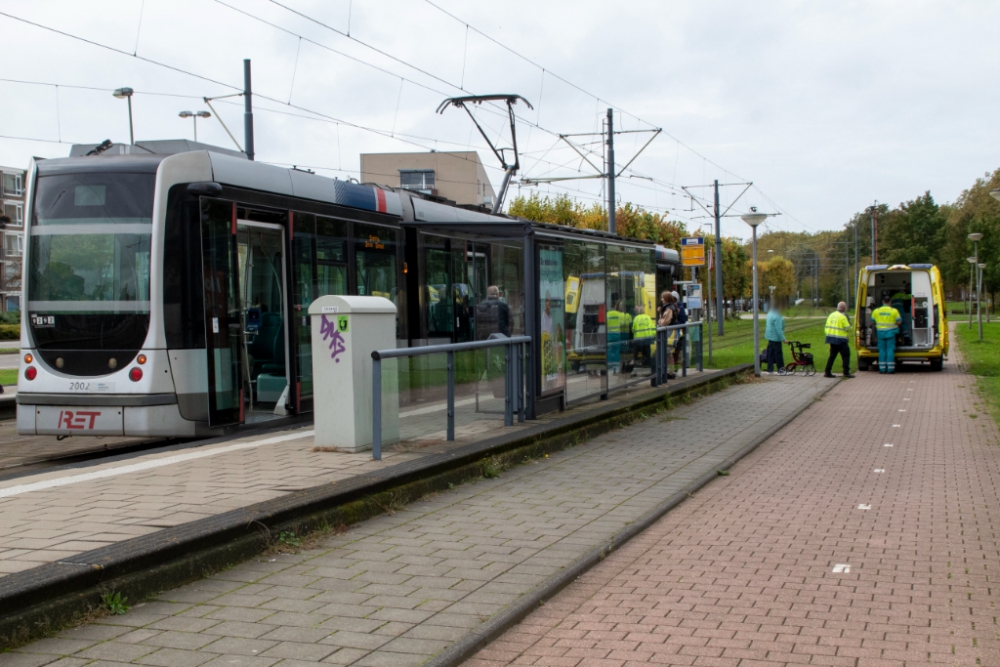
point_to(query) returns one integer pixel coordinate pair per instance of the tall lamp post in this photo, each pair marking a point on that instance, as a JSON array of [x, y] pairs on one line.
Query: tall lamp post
[[195, 115], [126, 94], [979, 291], [753, 218], [976, 237]]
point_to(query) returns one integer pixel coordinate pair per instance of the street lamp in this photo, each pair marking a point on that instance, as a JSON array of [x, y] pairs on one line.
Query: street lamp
[[979, 291], [126, 94], [195, 115], [976, 237], [753, 218]]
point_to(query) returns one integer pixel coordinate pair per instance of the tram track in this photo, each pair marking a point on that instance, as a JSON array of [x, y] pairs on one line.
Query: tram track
[[745, 337]]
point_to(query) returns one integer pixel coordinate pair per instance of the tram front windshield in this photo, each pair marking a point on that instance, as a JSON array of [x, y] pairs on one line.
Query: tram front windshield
[[88, 265]]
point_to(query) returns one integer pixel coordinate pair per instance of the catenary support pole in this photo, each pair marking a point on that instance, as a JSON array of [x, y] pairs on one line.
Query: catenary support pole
[[873, 231], [720, 308], [611, 172], [247, 110], [855, 266]]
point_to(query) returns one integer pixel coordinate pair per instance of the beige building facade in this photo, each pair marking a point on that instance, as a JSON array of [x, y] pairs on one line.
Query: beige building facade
[[459, 176]]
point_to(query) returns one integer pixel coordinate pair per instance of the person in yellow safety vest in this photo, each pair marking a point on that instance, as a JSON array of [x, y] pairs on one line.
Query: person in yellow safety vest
[[643, 333], [614, 320], [887, 320], [837, 330], [903, 301]]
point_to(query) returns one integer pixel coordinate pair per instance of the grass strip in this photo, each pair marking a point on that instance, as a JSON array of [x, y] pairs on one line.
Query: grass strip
[[982, 359]]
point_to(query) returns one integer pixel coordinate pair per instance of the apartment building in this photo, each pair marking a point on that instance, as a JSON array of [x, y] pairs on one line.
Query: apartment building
[[458, 176], [12, 233]]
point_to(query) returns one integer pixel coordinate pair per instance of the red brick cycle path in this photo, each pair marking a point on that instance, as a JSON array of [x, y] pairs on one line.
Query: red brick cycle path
[[825, 546]]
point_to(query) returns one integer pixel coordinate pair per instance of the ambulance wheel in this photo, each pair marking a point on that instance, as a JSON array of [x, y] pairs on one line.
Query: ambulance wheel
[[862, 364], [937, 364]]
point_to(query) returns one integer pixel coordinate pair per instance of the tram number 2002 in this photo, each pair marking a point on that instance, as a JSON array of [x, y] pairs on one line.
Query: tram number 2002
[[79, 386]]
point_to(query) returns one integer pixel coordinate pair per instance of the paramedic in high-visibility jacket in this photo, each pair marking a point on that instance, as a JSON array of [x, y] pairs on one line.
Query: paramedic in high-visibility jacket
[[837, 328], [887, 320], [643, 334]]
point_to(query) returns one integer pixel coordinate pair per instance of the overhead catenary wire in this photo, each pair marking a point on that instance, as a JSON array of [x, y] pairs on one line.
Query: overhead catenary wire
[[391, 134]]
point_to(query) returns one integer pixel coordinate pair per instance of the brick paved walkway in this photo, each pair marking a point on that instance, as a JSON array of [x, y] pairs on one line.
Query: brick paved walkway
[[400, 588], [825, 546]]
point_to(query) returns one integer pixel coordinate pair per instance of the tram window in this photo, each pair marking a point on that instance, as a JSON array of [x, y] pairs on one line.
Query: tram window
[[375, 252], [68, 199], [438, 293]]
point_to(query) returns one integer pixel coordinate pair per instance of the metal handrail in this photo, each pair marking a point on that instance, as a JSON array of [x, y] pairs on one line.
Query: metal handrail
[[513, 395], [662, 333]]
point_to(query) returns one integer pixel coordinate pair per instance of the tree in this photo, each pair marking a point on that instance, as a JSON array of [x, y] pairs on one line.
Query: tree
[[779, 272], [632, 221], [912, 233], [974, 211]]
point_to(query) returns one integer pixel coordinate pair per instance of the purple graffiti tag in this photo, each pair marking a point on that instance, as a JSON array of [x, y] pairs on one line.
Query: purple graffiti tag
[[329, 332]]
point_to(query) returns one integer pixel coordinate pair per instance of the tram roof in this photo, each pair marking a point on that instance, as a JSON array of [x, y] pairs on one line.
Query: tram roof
[[135, 163], [519, 227]]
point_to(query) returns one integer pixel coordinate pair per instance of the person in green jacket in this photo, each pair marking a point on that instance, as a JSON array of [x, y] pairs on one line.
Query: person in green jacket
[[774, 333]]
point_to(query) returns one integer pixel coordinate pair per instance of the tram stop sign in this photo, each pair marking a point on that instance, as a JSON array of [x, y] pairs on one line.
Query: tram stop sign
[[693, 251]]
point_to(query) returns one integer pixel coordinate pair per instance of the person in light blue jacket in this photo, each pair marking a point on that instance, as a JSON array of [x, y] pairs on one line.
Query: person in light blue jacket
[[774, 333]]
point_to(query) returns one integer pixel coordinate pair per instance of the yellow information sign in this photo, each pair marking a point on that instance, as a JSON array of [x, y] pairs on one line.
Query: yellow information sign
[[693, 251]]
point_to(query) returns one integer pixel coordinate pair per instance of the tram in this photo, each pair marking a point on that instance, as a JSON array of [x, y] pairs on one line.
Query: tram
[[167, 295]]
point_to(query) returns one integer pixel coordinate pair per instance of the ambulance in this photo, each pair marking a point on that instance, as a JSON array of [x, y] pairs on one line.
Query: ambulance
[[917, 292]]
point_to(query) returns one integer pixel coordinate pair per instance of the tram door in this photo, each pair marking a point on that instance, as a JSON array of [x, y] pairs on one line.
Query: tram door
[[223, 322]]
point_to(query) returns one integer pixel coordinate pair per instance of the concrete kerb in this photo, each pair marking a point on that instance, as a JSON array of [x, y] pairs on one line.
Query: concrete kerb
[[43, 599], [466, 647]]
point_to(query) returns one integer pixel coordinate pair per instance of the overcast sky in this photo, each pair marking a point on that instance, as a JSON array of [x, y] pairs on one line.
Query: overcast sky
[[824, 106]]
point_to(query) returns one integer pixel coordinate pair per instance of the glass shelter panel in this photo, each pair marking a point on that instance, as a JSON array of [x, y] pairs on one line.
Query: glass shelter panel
[[631, 314], [585, 319]]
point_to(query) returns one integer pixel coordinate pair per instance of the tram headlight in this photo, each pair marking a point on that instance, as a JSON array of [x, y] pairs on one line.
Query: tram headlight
[[30, 373], [28, 358], [141, 359], [135, 374], [59, 362], [112, 363]]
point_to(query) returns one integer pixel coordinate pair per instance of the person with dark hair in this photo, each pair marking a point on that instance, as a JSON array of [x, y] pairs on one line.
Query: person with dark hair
[[887, 320]]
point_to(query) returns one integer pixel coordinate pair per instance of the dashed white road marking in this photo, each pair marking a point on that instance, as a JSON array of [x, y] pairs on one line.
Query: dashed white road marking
[[841, 567], [864, 507], [147, 465], [879, 470], [902, 410], [888, 444], [897, 425]]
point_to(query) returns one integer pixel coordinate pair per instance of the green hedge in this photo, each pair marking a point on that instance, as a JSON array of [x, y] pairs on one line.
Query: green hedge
[[10, 331]]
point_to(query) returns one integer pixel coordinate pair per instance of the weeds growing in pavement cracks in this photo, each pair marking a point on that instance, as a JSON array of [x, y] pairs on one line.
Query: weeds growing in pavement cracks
[[116, 604], [723, 473], [289, 539], [390, 502], [492, 467]]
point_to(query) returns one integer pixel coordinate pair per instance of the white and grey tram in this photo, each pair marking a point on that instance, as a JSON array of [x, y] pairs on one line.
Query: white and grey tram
[[167, 294]]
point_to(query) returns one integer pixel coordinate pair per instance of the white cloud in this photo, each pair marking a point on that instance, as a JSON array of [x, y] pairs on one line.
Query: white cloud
[[826, 106]]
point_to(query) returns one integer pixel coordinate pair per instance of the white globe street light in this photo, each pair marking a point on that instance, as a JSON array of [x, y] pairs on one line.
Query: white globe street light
[[195, 115], [976, 237], [754, 219]]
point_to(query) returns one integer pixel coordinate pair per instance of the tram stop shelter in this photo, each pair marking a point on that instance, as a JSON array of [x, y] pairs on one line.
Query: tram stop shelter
[[578, 293]]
